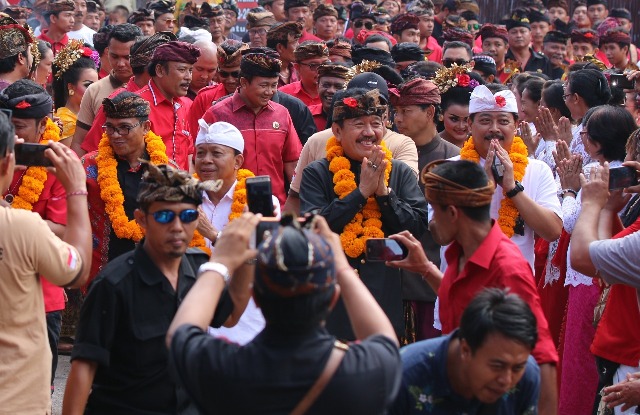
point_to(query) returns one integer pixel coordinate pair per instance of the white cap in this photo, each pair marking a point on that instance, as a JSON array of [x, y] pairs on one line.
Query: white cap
[[482, 100], [220, 133]]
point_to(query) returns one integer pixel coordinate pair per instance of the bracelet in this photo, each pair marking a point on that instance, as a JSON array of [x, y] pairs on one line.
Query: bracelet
[[251, 261], [573, 192], [78, 193]]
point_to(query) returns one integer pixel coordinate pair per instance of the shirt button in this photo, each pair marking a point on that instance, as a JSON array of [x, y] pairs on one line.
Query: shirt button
[[356, 271], [130, 261], [362, 261]]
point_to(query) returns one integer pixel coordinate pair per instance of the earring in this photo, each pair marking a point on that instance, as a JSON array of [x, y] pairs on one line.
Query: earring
[[440, 117], [71, 92]]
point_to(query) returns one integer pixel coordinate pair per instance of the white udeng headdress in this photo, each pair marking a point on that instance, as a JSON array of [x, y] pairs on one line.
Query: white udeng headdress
[[482, 100]]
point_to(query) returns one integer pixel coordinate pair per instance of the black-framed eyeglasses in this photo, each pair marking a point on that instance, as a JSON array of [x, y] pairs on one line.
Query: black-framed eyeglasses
[[225, 74], [367, 25], [313, 66], [450, 62], [167, 216], [564, 97], [122, 130], [258, 32]]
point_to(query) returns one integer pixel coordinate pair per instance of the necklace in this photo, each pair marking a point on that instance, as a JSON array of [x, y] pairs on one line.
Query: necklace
[[11, 195]]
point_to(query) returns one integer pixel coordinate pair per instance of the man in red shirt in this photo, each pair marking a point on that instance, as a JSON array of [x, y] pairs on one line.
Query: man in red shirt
[[495, 43], [258, 25], [309, 56], [60, 15], [284, 39], [170, 71], [424, 11], [299, 11], [480, 255], [332, 77], [228, 75], [271, 144]]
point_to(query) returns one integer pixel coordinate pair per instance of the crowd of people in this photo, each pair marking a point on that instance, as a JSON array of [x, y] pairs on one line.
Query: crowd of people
[[490, 151]]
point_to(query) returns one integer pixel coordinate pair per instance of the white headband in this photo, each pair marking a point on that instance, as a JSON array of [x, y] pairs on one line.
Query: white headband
[[220, 133], [482, 100]]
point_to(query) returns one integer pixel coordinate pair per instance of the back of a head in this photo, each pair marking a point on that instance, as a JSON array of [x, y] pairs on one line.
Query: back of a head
[[610, 126], [23, 87], [591, 85], [7, 132], [496, 311], [553, 97], [125, 32], [533, 87]]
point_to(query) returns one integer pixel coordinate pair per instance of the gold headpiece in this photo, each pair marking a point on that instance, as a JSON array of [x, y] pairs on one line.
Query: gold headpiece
[[449, 77], [68, 55], [593, 60], [362, 67]]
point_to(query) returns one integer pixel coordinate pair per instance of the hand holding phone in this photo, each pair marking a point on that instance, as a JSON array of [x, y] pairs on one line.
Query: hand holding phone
[[622, 177], [29, 154], [259, 195], [385, 249], [621, 81]]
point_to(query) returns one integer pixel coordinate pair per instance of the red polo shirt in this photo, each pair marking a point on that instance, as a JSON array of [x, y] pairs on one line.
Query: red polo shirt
[[204, 100], [55, 46], [496, 263], [436, 54], [295, 89], [308, 36], [169, 121], [270, 140], [92, 139], [318, 117]]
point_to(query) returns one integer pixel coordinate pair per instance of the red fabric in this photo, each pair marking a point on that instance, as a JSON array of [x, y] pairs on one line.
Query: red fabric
[[541, 254], [318, 117], [497, 262], [308, 36], [603, 58], [560, 258], [295, 89], [92, 139], [52, 206], [349, 33], [170, 124], [102, 73], [293, 77], [270, 140], [204, 100], [617, 336], [55, 46], [436, 54]]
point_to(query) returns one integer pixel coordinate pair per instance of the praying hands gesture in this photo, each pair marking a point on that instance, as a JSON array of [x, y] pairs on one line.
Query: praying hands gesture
[[569, 172], [496, 150], [545, 125], [372, 174], [529, 138], [561, 152]]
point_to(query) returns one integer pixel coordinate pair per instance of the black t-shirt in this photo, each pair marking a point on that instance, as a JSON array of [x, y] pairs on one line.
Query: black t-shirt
[[122, 327], [271, 374]]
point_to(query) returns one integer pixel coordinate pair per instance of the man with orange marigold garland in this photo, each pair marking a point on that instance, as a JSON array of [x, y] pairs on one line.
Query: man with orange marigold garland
[[373, 196], [218, 156]]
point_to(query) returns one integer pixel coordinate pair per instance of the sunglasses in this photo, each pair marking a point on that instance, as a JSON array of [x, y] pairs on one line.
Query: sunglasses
[[360, 23], [473, 26], [449, 62], [313, 66], [225, 74], [167, 216]]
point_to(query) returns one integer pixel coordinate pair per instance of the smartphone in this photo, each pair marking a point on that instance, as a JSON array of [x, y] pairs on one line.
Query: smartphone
[[269, 225], [259, 195], [621, 81], [497, 168], [622, 177], [385, 249], [28, 154]]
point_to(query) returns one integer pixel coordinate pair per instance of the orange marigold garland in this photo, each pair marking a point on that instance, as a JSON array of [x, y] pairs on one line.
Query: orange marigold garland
[[111, 191], [34, 178], [508, 213], [365, 224]]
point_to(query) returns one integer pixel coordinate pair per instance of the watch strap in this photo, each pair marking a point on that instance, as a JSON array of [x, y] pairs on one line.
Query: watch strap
[[519, 188]]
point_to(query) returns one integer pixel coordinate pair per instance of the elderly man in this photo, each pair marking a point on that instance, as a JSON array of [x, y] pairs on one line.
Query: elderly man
[[309, 56], [214, 14], [16, 57], [144, 19], [332, 77], [554, 47], [272, 146], [284, 39], [374, 196], [204, 69], [119, 345], [258, 25], [325, 22], [480, 255], [297, 269]]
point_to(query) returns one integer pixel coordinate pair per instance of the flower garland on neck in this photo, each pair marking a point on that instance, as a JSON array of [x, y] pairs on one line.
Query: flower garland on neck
[[34, 178], [508, 213], [365, 224], [111, 191], [237, 206]]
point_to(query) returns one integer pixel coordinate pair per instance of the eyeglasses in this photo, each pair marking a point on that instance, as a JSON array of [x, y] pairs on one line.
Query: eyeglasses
[[336, 85], [313, 66], [360, 23], [225, 74], [167, 216], [450, 62], [564, 97], [167, 21], [475, 26], [122, 130], [258, 32], [584, 133]]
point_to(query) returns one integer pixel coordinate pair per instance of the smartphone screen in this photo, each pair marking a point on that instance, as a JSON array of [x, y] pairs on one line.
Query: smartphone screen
[[621, 81], [622, 177], [497, 168], [28, 154], [259, 195], [385, 249]]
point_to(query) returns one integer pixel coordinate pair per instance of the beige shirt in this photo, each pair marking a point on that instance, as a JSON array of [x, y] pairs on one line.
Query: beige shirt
[[92, 99], [28, 248], [402, 148]]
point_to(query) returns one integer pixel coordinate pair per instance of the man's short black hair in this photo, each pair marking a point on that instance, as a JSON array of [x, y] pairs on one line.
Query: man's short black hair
[[497, 311], [458, 44], [8, 64], [125, 32], [7, 132]]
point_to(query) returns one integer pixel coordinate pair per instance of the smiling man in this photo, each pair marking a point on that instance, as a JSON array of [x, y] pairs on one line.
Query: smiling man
[[332, 77], [309, 56], [555, 48]]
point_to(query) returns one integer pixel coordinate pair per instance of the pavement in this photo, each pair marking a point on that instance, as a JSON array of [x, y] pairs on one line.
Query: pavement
[[60, 382]]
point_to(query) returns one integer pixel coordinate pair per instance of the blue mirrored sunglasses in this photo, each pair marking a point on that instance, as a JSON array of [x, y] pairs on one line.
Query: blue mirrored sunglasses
[[167, 216]]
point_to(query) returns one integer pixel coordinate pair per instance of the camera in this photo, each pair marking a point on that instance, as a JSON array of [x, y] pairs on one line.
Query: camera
[[268, 225]]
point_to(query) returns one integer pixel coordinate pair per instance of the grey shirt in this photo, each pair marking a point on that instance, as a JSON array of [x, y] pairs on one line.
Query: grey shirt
[[616, 260]]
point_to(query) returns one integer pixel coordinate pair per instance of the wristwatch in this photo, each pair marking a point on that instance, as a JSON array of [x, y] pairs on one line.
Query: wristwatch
[[519, 188], [217, 267]]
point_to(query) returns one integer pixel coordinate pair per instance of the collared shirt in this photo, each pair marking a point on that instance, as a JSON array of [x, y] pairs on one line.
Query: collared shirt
[[319, 116], [92, 100], [205, 99], [122, 327], [251, 379], [497, 262], [270, 139], [295, 89], [55, 46], [536, 63], [308, 36], [426, 388], [169, 121], [293, 76], [436, 50]]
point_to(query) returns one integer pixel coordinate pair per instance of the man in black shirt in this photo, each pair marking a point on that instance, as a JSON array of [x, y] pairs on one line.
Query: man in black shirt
[[119, 360], [520, 50], [295, 286]]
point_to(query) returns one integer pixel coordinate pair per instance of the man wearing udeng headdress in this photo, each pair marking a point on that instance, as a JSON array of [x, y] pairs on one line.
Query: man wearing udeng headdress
[[120, 353], [16, 51]]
